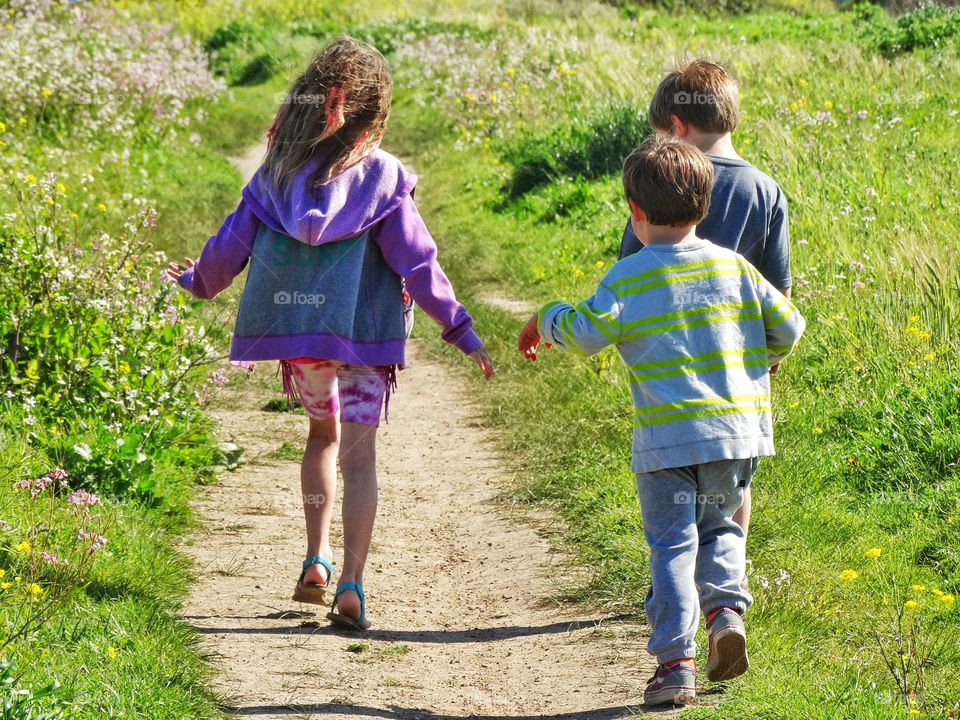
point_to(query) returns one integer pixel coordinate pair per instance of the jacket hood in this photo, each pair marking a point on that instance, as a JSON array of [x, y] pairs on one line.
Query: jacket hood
[[352, 202]]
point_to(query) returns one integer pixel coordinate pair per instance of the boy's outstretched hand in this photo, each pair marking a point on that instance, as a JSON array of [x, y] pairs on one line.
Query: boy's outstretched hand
[[175, 270], [530, 339], [482, 359]]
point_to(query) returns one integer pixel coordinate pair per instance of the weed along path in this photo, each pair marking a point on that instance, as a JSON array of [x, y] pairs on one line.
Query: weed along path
[[459, 593]]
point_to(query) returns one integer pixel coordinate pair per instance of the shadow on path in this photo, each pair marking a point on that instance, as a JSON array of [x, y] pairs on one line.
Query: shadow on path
[[400, 713], [429, 636]]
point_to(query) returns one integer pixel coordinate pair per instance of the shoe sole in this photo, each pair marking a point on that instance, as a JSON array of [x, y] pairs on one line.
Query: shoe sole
[[730, 651], [674, 696]]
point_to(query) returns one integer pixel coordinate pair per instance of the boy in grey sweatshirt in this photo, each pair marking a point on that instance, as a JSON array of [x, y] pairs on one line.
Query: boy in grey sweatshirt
[[699, 327]]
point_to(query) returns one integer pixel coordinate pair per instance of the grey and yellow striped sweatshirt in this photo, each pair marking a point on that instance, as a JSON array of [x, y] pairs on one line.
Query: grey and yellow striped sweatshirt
[[699, 328]]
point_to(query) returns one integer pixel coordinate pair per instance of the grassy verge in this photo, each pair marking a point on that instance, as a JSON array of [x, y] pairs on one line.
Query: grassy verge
[[106, 370]]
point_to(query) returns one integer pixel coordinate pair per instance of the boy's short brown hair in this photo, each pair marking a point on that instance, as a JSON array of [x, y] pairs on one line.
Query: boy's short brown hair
[[670, 180], [701, 93]]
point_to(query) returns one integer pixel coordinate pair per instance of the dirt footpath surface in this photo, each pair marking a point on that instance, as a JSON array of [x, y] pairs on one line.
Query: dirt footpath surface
[[459, 592]]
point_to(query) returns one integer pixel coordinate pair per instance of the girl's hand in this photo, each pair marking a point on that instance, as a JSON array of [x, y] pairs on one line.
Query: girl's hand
[[482, 359], [529, 339], [175, 270]]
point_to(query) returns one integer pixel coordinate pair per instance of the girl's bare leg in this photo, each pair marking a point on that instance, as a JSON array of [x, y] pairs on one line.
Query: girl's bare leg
[[358, 465], [318, 483]]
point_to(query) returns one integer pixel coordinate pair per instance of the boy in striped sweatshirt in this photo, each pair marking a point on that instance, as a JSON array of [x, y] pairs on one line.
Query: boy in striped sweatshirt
[[699, 328]]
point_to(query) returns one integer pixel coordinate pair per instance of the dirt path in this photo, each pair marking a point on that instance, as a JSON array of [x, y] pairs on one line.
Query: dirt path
[[459, 593]]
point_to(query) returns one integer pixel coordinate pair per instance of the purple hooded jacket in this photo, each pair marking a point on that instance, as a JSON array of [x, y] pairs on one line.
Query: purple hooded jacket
[[355, 238]]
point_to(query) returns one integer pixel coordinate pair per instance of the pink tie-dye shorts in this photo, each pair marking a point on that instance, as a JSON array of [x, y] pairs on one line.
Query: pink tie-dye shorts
[[328, 386]]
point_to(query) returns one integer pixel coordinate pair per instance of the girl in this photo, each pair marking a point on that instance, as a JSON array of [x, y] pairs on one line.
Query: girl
[[330, 232]]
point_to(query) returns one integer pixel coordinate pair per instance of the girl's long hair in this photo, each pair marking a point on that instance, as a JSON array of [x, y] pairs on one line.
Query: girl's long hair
[[336, 112]]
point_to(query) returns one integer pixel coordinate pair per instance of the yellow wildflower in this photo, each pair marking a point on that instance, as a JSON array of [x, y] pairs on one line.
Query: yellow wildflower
[[578, 273], [946, 598], [827, 105], [34, 589], [5, 585], [914, 712], [112, 652], [794, 405], [849, 575], [101, 207], [2, 572], [23, 547], [918, 588], [3, 127], [802, 83], [910, 605], [31, 179], [61, 188], [123, 368], [599, 263], [818, 430], [21, 121], [511, 72], [46, 92], [929, 357], [873, 553]]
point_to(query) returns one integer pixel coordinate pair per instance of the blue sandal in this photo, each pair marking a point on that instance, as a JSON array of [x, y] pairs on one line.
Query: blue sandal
[[361, 623], [313, 593]]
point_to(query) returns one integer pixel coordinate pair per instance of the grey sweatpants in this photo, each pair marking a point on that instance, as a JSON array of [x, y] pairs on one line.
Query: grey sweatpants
[[694, 544]]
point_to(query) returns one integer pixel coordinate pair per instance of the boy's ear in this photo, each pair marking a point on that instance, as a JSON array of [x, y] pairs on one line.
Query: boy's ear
[[678, 128], [635, 212]]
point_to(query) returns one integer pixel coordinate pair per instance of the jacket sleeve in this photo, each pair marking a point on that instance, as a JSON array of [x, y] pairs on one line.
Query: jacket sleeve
[[224, 256], [410, 252], [782, 321], [585, 329]]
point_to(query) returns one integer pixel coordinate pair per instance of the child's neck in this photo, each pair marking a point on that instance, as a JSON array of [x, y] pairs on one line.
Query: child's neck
[[716, 144], [666, 235]]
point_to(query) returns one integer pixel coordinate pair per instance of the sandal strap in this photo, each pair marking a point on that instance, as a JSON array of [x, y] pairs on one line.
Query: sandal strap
[[317, 560], [344, 587]]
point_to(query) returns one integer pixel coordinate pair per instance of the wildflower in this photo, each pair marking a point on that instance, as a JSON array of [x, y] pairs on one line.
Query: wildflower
[[61, 188], [101, 207], [6, 585], [23, 547], [31, 179], [946, 598], [910, 605], [827, 105], [112, 653], [929, 357], [599, 263], [794, 405], [46, 92], [3, 127], [849, 575], [34, 589], [2, 572], [22, 121], [818, 430], [873, 553], [97, 542], [802, 82], [82, 499], [918, 588], [52, 559]]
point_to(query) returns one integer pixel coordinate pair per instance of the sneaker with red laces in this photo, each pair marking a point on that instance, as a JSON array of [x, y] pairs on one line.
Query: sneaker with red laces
[[727, 653], [674, 682]]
